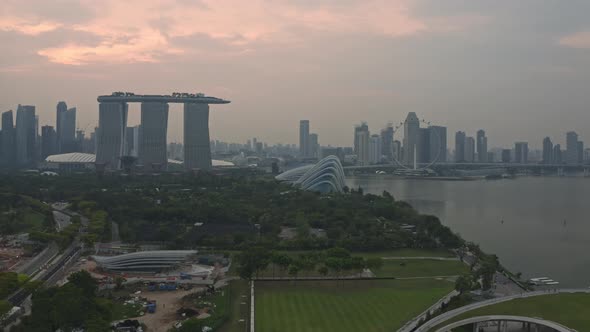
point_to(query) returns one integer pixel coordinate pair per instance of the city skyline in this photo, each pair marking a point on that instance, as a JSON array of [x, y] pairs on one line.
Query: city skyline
[[464, 60]]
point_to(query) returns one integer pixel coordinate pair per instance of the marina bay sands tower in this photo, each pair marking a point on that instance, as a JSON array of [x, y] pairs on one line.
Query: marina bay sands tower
[[112, 124]]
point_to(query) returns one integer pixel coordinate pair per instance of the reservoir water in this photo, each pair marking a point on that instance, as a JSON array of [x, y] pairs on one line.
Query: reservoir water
[[537, 225]]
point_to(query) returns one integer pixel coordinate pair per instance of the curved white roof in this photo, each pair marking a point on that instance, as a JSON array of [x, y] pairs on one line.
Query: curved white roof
[[144, 260], [325, 176], [75, 157]]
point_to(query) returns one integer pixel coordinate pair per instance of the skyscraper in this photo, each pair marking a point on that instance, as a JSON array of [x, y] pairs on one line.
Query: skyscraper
[[375, 149], [460, 146], [521, 152], [67, 137], [197, 152], [110, 135], [387, 142], [423, 146], [571, 148], [469, 149], [314, 146], [506, 155], [547, 151], [438, 144], [61, 109], [557, 154], [397, 150], [482, 146], [8, 140], [26, 136], [580, 152], [411, 133], [359, 128], [303, 138], [362, 139], [153, 135], [48, 141]]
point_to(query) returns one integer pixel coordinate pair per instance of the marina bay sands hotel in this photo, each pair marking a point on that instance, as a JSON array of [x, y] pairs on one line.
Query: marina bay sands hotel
[[112, 125]]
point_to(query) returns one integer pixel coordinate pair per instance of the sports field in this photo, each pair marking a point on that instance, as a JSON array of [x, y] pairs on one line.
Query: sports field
[[571, 310], [343, 305]]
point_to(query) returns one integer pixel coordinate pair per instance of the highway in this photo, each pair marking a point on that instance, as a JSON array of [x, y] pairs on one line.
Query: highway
[[52, 274]]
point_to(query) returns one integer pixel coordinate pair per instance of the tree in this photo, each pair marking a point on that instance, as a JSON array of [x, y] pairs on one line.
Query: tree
[[374, 263], [293, 270], [323, 270], [85, 282], [464, 283]]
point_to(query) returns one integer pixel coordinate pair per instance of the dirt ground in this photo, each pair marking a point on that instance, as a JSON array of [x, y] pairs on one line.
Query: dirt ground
[[167, 305]]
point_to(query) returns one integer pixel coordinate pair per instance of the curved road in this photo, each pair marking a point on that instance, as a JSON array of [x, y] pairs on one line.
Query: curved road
[[480, 319], [428, 326]]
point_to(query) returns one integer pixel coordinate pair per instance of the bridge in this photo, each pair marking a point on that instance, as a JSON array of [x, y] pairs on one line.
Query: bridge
[[111, 135], [502, 323], [439, 320], [560, 169]]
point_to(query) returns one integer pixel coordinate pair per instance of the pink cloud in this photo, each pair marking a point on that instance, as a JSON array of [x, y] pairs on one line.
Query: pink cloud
[[142, 31], [577, 40], [30, 28]]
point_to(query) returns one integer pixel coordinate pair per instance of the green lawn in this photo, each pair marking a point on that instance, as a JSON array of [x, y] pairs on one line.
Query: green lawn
[[571, 310], [407, 253], [369, 305], [240, 293], [421, 268]]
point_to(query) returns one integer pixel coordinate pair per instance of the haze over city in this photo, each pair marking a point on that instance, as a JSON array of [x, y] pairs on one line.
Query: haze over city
[[519, 70]]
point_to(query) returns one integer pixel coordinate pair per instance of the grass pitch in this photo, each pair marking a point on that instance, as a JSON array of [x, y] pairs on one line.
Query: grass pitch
[[343, 305]]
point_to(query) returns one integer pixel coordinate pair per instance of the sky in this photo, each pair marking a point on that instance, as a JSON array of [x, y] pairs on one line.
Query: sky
[[518, 69]]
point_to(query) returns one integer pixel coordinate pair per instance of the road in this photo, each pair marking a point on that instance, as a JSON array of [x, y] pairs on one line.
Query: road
[[429, 325], [55, 271], [62, 220]]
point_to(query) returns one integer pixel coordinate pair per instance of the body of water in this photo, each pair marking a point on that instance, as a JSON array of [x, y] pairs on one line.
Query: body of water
[[537, 225]]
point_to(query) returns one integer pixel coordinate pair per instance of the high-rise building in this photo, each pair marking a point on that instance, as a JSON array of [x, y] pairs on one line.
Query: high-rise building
[[61, 109], [26, 136], [48, 141], [197, 152], [482, 146], [397, 150], [491, 157], [303, 139], [547, 151], [423, 146], [387, 142], [438, 144], [506, 155], [571, 148], [580, 152], [557, 154], [469, 149], [8, 150], [314, 146], [67, 136], [375, 149], [411, 134], [521, 152], [153, 135], [460, 146], [362, 138], [359, 128], [110, 135]]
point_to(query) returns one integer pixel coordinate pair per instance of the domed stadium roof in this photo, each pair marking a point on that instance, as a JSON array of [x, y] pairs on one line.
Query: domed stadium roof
[[325, 176], [75, 157]]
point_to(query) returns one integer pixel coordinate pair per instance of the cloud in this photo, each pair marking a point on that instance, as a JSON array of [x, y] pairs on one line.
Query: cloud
[[135, 31], [576, 40], [30, 28]]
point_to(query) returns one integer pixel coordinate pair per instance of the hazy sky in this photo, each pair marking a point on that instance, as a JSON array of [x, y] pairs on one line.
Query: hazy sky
[[520, 69]]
